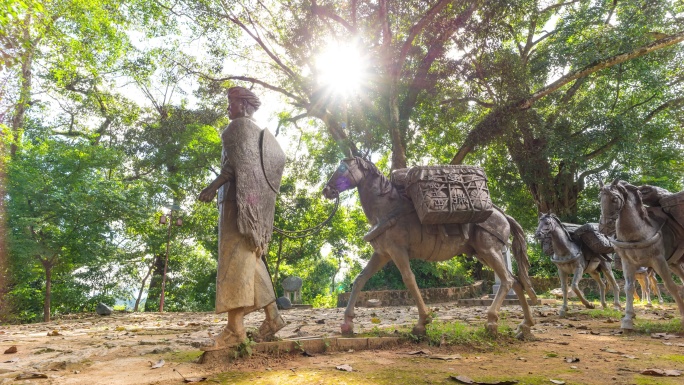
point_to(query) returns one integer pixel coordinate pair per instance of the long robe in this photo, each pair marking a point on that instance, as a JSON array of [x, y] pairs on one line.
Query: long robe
[[246, 211]]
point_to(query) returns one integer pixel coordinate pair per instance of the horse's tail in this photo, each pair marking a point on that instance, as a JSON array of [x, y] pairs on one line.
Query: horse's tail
[[519, 246]]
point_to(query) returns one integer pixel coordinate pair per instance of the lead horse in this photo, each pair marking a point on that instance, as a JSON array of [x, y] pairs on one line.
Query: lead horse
[[641, 239], [397, 234]]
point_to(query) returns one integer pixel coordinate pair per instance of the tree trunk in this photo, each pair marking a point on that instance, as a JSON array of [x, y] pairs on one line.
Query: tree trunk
[[48, 291], [24, 91], [276, 270], [142, 288], [154, 291]]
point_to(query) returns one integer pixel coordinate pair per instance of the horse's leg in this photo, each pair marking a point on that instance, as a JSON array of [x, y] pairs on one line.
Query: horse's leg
[[576, 276], [376, 262], [523, 331], [495, 260], [661, 267], [610, 277], [646, 289], [563, 276], [401, 259], [678, 269], [602, 287], [628, 271], [654, 285]]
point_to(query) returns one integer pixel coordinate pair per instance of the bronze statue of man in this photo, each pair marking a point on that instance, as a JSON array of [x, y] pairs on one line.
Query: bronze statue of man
[[252, 165]]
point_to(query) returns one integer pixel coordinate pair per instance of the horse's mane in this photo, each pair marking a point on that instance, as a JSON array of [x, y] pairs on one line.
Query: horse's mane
[[384, 182], [629, 190]]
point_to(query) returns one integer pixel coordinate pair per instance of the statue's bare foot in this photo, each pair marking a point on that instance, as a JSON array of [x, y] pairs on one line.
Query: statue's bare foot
[[225, 340], [269, 328]]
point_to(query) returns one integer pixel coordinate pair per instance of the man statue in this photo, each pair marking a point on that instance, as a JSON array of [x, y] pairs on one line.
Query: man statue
[[252, 165]]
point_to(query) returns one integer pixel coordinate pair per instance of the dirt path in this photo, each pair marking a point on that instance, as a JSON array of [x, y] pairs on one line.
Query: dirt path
[[120, 349]]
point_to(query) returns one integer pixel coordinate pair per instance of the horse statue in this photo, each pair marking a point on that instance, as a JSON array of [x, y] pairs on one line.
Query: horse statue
[[642, 237], [397, 234], [646, 277], [576, 257]]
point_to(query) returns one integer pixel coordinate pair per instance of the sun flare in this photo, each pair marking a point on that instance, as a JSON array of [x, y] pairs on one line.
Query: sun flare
[[341, 68]]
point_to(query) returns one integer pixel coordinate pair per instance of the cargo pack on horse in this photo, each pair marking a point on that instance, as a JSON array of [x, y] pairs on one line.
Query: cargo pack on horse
[[642, 237], [583, 250], [398, 234]]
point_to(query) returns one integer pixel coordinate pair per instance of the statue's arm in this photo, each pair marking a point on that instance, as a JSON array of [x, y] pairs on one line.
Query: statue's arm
[[209, 192]]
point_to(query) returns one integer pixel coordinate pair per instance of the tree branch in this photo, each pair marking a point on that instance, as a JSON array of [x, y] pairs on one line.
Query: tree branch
[[669, 104], [601, 64]]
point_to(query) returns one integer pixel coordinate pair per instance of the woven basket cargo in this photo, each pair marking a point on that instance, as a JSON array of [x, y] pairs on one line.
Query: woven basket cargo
[[674, 205], [590, 235], [449, 194]]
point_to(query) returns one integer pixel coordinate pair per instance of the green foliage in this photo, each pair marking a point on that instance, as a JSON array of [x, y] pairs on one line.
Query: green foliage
[[439, 333]]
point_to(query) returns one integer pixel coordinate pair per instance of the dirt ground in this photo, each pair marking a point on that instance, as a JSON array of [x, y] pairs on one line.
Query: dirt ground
[[583, 348]]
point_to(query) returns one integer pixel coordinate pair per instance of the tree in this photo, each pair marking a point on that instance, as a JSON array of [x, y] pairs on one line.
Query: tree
[[63, 208], [559, 131]]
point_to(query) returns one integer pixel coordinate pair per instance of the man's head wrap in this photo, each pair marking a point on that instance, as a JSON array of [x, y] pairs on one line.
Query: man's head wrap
[[246, 95]]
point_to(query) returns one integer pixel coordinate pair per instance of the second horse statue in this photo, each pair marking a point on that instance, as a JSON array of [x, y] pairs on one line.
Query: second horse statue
[[398, 235]]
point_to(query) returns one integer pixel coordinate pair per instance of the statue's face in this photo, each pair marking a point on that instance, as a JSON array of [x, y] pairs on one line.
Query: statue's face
[[236, 108]]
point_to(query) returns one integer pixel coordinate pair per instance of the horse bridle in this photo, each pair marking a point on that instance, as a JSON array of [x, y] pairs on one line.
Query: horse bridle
[[338, 174], [609, 190], [544, 234]]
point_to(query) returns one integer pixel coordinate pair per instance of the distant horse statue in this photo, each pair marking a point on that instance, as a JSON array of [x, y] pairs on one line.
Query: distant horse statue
[[642, 238], [646, 277], [576, 257], [398, 235]]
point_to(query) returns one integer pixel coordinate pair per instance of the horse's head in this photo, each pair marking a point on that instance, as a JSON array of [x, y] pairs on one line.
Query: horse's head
[[347, 176], [612, 197]]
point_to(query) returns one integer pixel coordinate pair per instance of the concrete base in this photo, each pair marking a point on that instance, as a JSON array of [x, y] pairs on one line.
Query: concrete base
[[309, 345], [506, 302]]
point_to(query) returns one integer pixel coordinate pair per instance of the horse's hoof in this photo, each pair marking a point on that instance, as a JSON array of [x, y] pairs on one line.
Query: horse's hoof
[[627, 324], [418, 330], [524, 332], [563, 313], [492, 328], [590, 306], [347, 329]]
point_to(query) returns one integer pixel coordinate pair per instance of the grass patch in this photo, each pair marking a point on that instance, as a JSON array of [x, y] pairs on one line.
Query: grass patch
[[678, 358], [602, 313], [647, 327], [183, 356], [457, 333]]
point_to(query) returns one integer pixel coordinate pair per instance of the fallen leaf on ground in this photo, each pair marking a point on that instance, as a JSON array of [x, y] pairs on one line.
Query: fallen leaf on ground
[[344, 367], [194, 379], [662, 372], [11, 349], [418, 352], [608, 350], [570, 360], [31, 375], [159, 364], [53, 333], [190, 379], [664, 336], [12, 361], [467, 380], [628, 356], [447, 358], [557, 382]]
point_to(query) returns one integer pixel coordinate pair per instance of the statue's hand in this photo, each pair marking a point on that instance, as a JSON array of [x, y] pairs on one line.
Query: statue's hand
[[207, 195]]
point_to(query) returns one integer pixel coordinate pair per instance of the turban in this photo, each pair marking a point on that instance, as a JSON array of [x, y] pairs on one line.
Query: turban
[[244, 94]]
